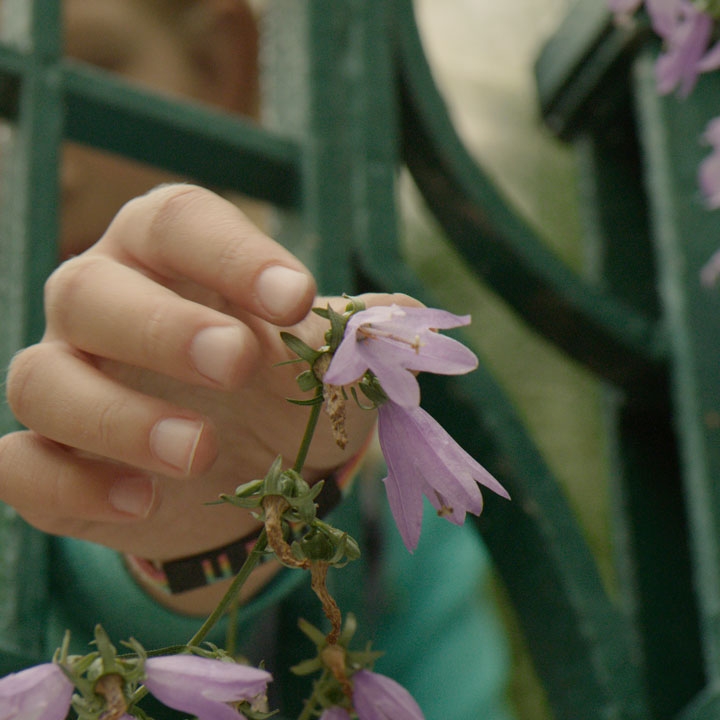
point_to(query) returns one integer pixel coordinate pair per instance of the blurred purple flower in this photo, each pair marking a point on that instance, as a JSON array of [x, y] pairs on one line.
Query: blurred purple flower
[[686, 31], [663, 13], [335, 713], [42, 692], [423, 459], [392, 341], [709, 172], [686, 36], [204, 686], [377, 697]]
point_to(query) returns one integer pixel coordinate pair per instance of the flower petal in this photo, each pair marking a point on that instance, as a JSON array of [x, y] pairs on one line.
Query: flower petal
[[203, 686], [423, 459], [390, 340], [442, 355], [405, 502], [42, 692], [378, 697]]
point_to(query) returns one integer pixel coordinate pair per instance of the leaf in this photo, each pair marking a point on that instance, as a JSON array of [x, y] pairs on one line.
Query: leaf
[[337, 328], [317, 400], [301, 349]]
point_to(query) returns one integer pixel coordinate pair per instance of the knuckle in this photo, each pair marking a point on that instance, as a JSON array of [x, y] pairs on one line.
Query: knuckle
[[64, 286], [153, 334], [21, 372], [109, 419], [170, 205], [6, 452]]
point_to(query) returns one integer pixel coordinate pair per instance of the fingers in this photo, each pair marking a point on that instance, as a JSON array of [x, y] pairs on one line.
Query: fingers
[[62, 397], [59, 490], [107, 309], [188, 232]]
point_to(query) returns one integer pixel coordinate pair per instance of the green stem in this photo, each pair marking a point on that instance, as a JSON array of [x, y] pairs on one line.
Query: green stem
[[312, 701], [232, 592], [309, 431]]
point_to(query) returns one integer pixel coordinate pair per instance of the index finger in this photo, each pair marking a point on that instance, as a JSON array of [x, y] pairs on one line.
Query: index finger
[[188, 232]]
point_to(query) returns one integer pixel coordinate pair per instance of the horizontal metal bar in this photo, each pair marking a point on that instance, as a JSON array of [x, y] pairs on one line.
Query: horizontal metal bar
[[206, 145]]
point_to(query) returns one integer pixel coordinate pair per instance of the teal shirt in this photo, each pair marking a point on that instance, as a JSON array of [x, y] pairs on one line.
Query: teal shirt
[[431, 612]]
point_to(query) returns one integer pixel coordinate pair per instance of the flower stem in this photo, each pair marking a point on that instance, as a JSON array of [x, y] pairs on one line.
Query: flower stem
[[248, 566], [310, 704], [309, 431]]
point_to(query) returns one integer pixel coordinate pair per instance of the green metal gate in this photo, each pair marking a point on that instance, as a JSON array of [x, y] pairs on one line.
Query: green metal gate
[[354, 98]]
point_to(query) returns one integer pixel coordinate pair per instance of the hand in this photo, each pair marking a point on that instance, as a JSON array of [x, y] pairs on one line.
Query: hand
[[155, 388]]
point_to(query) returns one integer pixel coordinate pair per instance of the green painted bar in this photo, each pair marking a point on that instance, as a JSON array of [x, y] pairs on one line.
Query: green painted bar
[[208, 146], [602, 332], [29, 232], [686, 236]]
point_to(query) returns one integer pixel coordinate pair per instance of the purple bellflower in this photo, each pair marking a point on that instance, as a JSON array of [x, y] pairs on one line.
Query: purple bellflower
[[392, 341], [686, 31], [423, 459], [686, 42], [377, 697], [203, 686], [42, 692], [709, 171]]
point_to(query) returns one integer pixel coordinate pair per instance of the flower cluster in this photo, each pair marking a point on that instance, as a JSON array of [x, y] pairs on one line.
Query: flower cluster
[[687, 30], [389, 343], [378, 351], [208, 688]]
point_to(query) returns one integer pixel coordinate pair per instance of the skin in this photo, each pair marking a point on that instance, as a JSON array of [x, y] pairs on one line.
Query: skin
[[129, 432]]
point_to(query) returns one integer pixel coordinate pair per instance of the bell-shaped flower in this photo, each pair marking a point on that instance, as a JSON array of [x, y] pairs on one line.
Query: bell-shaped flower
[[42, 692], [709, 172], [393, 341], [423, 459], [204, 687], [686, 42], [377, 697]]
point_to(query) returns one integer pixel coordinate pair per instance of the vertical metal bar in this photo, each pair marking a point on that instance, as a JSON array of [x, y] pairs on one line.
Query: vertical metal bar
[[648, 510], [686, 235], [29, 253], [317, 93]]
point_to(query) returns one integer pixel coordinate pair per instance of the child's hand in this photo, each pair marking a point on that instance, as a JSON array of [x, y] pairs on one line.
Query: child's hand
[[155, 388]]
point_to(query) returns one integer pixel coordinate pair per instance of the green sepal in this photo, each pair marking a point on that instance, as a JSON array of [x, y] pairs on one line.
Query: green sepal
[[307, 381], [311, 401], [335, 334], [300, 348], [307, 667], [313, 633]]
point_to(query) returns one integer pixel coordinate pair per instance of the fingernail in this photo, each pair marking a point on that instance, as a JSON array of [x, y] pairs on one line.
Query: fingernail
[[215, 351], [280, 289], [174, 441], [133, 495]]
